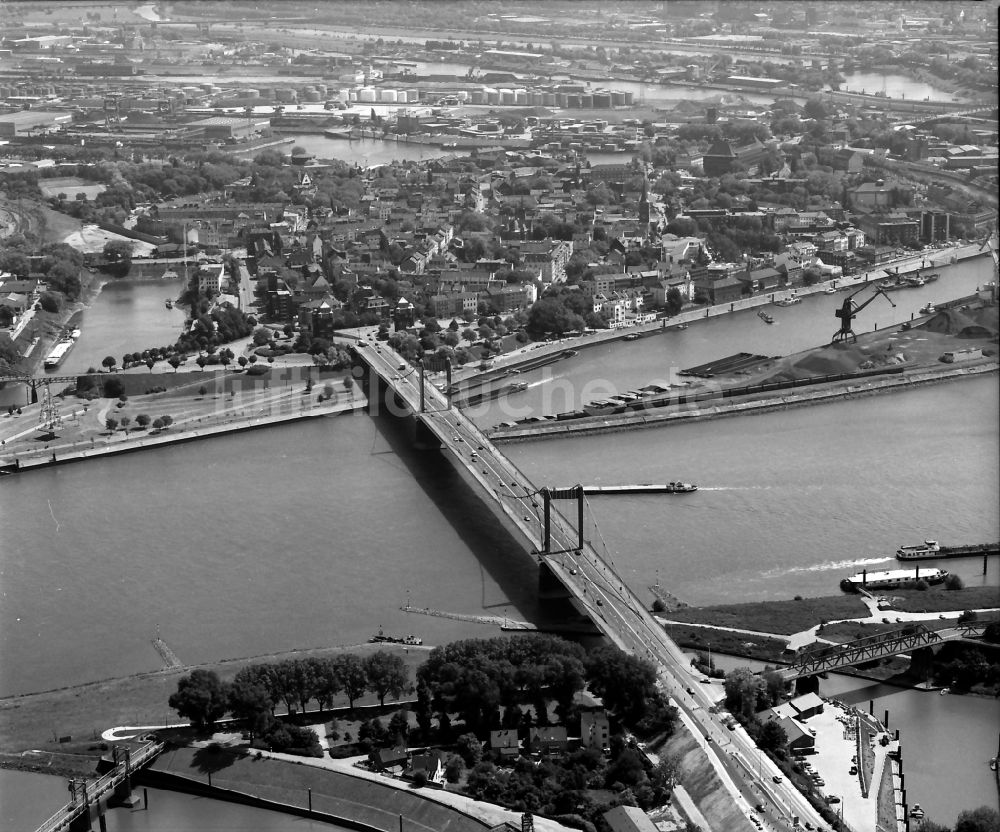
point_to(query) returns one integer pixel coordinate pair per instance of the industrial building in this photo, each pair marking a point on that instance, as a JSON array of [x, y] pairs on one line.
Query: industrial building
[[27, 122]]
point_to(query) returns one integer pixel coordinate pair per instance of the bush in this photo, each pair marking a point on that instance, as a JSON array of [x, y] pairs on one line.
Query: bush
[[257, 370], [659, 606], [953, 581], [113, 388], [420, 779]]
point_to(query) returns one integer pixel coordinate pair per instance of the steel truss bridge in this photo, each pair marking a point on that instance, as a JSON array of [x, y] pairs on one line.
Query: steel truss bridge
[[827, 658]]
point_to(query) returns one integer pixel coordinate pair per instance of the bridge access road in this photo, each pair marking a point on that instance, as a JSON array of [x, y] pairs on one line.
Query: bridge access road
[[596, 588]]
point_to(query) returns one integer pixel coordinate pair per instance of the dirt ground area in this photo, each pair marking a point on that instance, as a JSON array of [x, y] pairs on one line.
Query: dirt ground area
[[921, 345]]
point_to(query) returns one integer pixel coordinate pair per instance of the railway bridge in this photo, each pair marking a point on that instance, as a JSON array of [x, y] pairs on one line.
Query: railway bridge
[[826, 658]]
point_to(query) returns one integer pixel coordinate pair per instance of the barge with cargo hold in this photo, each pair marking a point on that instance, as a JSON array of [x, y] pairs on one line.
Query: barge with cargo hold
[[892, 579], [931, 549]]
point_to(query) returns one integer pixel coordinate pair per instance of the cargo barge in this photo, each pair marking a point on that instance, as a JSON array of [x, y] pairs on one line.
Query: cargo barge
[[892, 579], [930, 549], [61, 350]]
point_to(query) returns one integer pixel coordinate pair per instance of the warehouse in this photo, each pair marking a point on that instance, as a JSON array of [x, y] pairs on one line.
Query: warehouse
[[221, 128], [28, 122]]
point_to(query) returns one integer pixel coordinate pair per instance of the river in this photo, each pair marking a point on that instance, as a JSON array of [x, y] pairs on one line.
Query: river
[[896, 85], [316, 534]]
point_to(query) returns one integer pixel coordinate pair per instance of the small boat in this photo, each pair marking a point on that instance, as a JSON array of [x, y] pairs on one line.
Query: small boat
[[632, 336], [169, 303], [767, 319], [790, 301], [916, 811], [945, 691], [993, 764], [927, 309], [829, 290], [681, 326]]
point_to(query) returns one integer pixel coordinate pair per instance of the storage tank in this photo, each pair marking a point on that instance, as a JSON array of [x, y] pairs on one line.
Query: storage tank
[[412, 96], [550, 99], [251, 92], [602, 100], [573, 101], [478, 97], [366, 94], [506, 96], [617, 98], [462, 95], [537, 98], [520, 96], [352, 95], [628, 98], [388, 96], [312, 96], [586, 100], [402, 97], [492, 96]]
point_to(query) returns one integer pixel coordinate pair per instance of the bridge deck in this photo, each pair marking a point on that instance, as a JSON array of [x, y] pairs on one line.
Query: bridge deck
[[597, 589]]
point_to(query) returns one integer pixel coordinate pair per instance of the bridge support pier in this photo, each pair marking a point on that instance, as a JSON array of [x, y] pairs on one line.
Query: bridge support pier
[[806, 684]]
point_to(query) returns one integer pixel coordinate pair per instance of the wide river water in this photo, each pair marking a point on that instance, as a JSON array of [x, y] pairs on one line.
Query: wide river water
[[316, 534]]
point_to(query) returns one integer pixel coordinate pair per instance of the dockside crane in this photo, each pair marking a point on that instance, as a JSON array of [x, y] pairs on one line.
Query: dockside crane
[[848, 312]]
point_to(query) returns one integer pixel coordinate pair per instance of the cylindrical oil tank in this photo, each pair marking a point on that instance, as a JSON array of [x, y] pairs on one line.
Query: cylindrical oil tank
[[366, 94], [389, 96]]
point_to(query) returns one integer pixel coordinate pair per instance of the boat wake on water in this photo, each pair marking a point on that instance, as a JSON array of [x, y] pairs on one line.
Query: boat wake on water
[[827, 566]]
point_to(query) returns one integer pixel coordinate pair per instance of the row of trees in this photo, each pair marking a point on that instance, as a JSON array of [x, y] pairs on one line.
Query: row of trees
[[257, 689], [142, 421]]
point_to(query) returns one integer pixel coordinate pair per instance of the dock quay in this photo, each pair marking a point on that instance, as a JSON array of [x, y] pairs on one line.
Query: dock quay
[[79, 451]]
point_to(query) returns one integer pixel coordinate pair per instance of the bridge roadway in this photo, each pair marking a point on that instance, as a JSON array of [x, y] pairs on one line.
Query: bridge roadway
[[100, 790], [596, 588]]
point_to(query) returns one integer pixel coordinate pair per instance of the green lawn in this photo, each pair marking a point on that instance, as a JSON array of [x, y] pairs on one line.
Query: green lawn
[[779, 617]]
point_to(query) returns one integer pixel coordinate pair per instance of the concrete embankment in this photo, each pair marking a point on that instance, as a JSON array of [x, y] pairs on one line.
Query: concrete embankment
[[651, 418], [138, 442]]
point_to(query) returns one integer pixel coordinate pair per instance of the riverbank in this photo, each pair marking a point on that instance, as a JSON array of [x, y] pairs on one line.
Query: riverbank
[[61, 730], [770, 631], [199, 406], [652, 418]]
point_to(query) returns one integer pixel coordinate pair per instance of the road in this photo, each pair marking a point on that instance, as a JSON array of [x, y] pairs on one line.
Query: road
[[749, 776]]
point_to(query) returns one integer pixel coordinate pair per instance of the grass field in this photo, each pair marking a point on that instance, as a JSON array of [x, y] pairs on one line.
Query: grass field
[[779, 617]]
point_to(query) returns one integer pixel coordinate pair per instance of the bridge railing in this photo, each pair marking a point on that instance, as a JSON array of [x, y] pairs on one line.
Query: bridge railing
[[101, 786]]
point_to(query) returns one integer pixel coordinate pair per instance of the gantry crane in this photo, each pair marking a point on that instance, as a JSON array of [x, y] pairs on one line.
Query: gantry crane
[[849, 310]]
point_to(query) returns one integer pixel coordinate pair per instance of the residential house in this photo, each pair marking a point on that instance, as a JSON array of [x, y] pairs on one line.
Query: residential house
[[431, 763], [388, 759], [317, 316], [505, 744], [546, 738]]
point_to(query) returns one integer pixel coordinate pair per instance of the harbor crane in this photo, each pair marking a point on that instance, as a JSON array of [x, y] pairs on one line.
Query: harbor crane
[[848, 312]]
